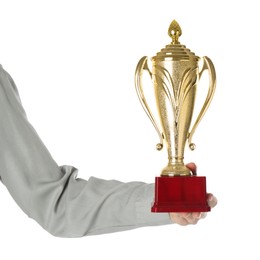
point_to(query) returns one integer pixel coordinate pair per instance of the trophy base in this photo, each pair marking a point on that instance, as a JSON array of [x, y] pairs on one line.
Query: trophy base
[[180, 194]]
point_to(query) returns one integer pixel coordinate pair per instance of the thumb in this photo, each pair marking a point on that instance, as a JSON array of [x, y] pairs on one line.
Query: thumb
[[192, 166]]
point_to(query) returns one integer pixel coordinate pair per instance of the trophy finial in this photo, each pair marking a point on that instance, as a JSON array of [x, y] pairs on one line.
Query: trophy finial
[[174, 32]]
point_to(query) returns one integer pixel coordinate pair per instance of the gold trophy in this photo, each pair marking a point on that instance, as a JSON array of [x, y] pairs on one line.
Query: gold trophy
[[175, 75]]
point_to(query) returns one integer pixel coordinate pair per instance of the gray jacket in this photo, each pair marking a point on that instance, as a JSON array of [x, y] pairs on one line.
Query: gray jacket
[[61, 203]]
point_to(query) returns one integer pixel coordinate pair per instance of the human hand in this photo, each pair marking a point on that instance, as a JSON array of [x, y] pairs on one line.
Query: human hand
[[186, 218]]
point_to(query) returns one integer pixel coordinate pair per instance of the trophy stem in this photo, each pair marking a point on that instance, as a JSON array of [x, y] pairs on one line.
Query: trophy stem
[[175, 167]]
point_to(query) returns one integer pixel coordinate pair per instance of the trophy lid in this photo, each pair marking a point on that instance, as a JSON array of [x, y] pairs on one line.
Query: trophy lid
[[175, 51]]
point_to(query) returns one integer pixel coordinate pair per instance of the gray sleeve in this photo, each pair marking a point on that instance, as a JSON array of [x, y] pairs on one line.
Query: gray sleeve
[[61, 203]]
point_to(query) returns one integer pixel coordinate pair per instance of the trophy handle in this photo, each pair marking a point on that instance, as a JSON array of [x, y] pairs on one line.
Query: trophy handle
[[141, 66], [207, 65]]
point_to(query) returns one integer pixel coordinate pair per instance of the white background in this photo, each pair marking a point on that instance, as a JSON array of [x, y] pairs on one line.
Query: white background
[[74, 63]]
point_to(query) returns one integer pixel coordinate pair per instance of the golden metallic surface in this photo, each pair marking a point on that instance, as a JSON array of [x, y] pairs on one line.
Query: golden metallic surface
[[174, 32], [175, 75]]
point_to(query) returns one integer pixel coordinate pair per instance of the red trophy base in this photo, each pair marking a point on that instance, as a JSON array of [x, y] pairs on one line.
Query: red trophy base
[[180, 194]]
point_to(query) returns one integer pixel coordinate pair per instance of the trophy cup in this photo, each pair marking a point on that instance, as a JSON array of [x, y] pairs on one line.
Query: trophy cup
[[175, 75]]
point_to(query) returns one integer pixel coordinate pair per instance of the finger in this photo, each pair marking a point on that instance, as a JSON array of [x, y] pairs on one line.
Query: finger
[[203, 215], [212, 200], [182, 221], [192, 220], [192, 166], [191, 217], [199, 215], [196, 215], [184, 214], [176, 218]]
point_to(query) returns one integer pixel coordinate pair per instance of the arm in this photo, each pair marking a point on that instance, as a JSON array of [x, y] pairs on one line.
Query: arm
[[60, 202]]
